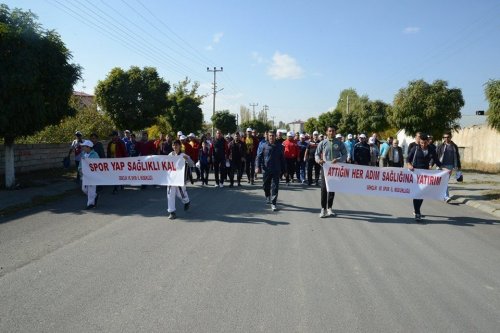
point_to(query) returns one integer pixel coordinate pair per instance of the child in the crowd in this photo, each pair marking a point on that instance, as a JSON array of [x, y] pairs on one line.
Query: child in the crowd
[[204, 160], [180, 191], [89, 190]]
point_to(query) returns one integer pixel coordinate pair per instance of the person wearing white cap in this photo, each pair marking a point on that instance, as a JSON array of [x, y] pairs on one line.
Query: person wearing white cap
[[332, 150], [89, 190], [374, 152], [349, 145], [291, 152], [311, 162], [362, 151]]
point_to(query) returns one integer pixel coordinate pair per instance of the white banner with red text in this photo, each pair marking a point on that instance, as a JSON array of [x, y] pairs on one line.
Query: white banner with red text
[[141, 170], [389, 182]]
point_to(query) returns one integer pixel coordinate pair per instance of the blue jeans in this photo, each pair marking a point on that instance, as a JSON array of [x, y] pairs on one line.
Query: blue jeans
[[449, 167]]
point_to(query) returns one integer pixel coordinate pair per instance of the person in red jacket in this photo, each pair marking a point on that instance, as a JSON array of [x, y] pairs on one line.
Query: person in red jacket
[[291, 152], [146, 147]]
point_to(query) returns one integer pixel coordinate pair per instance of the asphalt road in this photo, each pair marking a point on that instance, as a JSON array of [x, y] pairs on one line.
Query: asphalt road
[[230, 264]]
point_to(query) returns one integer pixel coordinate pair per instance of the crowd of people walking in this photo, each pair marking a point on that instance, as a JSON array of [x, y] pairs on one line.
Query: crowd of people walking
[[279, 157]]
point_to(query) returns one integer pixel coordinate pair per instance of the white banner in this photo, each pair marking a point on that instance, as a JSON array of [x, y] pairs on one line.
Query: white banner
[[141, 170], [390, 182]]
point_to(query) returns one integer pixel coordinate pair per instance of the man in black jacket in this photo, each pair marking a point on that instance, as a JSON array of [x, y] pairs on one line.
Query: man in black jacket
[[219, 154], [362, 151], [237, 151], [449, 156]]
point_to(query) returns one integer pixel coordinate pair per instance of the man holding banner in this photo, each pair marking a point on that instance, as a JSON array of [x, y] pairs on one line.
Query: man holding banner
[[333, 150], [420, 158]]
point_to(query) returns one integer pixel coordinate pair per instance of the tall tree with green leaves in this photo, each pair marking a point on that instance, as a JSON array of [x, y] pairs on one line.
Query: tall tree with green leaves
[[330, 118], [492, 92], [133, 99], [36, 80], [224, 121], [373, 117], [311, 125], [86, 120], [184, 111], [430, 108]]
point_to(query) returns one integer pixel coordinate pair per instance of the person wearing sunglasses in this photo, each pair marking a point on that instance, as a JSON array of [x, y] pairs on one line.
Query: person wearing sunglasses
[[449, 156]]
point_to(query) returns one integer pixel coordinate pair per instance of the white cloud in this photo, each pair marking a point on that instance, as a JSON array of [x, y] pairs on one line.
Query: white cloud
[[217, 37], [284, 67], [411, 30]]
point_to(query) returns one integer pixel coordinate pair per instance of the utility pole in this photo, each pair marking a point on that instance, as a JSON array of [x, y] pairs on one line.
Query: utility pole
[[273, 122], [215, 70], [347, 103], [265, 108], [254, 105]]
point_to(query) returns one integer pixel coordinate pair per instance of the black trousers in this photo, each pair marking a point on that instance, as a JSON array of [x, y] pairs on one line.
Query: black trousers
[[326, 197], [417, 203], [311, 164], [271, 185], [205, 168], [290, 168], [219, 170], [250, 167], [236, 168]]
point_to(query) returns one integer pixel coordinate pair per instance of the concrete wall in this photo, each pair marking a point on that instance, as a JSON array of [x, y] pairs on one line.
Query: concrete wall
[[36, 157], [479, 148]]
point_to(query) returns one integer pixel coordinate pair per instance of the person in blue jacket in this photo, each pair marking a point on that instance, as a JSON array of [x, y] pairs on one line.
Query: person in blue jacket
[[271, 161]]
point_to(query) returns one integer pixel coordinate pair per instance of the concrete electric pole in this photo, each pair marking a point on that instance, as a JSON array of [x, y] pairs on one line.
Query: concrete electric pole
[[215, 70]]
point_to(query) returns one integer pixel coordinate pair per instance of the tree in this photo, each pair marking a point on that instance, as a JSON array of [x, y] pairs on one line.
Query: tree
[[184, 112], [430, 108], [311, 125], [330, 118], [373, 118], [224, 121], [87, 120], [492, 92], [257, 125], [36, 80], [133, 99]]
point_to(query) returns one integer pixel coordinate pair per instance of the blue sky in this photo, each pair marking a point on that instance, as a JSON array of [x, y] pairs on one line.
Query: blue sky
[[294, 56]]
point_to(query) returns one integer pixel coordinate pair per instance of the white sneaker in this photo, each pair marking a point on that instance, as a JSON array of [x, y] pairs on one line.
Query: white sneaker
[[268, 200], [322, 214], [221, 185], [216, 185], [273, 207], [330, 212], [447, 199]]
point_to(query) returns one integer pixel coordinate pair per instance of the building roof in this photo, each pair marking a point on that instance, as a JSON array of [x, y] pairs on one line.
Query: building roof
[[296, 122], [81, 94]]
